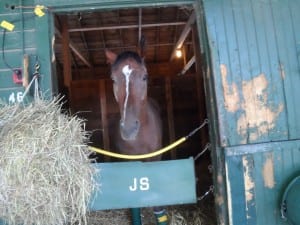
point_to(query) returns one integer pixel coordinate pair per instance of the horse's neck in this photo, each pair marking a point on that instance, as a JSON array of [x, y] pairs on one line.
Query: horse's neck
[[152, 113]]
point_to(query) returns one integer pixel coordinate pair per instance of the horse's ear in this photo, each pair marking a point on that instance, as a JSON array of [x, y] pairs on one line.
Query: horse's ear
[[110, 56]]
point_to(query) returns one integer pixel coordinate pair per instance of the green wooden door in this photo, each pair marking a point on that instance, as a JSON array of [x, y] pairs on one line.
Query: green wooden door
[[255, 61]]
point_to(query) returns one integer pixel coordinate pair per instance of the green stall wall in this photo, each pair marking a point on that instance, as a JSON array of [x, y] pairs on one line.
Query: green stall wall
[[30, 36], [252, 79], [257, 176], [254, 48]]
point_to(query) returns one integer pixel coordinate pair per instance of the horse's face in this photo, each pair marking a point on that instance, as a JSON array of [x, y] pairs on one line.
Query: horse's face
[[130, 90]]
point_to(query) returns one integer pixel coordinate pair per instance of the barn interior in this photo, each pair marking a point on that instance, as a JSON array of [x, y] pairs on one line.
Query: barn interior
[[167, 39]]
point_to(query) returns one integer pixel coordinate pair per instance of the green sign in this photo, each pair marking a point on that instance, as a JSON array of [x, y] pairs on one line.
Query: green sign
[[144, 184]]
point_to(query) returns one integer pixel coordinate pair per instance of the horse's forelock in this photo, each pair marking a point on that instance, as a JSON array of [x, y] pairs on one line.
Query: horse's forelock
[[127, 55]]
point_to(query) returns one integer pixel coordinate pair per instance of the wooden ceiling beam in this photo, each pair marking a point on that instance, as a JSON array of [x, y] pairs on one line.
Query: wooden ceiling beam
[[184, 34], [83, 37], [86, 29], [75, 50], [188, 65], [67, 67], [140, 26], [154, 69]]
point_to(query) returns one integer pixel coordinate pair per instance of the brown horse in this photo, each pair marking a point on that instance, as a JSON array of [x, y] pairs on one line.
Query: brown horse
[[140, 129]]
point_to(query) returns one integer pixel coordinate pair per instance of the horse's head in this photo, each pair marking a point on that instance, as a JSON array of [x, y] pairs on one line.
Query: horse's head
[[129, 76]]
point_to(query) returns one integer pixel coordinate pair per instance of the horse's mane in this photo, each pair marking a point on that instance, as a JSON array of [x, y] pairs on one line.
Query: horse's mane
[[125, 55]]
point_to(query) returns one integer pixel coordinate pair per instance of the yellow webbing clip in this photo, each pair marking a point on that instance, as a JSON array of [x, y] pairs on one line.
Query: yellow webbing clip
[[7, 25], [38, 10]]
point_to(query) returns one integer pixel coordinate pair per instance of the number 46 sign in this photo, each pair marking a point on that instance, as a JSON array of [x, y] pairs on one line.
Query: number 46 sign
[[15, 97]]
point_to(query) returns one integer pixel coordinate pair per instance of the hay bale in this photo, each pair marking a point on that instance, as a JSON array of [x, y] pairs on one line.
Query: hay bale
[[45, 174]]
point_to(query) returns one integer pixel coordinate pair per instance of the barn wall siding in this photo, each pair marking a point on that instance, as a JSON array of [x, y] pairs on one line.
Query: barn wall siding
[[13, 47], [30, 36], [256, 178], [252, 85], [71, 5], [217, 153], [256, 69], [254, 48]]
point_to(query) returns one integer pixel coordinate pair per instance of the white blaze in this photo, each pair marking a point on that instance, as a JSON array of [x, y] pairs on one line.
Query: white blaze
[[127, 72]]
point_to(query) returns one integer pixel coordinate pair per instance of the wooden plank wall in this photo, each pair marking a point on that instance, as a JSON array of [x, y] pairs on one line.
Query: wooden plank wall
[[31, 37], [256, 69], [90, 101], [258, 180], [254, 49], [73, 5], [14, 44]]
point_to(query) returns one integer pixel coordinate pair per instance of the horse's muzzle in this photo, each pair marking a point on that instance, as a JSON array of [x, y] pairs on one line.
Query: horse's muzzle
[[129, 131]]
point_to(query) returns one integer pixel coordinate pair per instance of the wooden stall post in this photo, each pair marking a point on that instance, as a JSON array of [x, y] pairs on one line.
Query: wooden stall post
[[169, 100], [200, 87], [104, 122], [67, 66]]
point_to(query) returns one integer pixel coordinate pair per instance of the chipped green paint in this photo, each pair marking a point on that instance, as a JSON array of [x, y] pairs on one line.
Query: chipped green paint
[[257, 177], [268, 172], [253, 42], [254, 47], [257, 116]]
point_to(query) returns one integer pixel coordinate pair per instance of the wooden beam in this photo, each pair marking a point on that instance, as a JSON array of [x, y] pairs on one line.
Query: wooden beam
[[154, 70], [79, 54], [73, 47], [184, 34], [67, 68], [169, 101], [200, 87], [104, 121], [140, 25], [86, 29], [188, 65]]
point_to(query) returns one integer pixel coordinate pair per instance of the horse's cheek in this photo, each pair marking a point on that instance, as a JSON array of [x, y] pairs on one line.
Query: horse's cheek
[[144, 93]]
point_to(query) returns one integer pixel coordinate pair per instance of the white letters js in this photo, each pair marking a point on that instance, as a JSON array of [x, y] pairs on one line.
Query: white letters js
[[141, 184]]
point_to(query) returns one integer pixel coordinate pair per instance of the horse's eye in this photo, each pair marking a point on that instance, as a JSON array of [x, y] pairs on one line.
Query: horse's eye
[[145, 77]]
